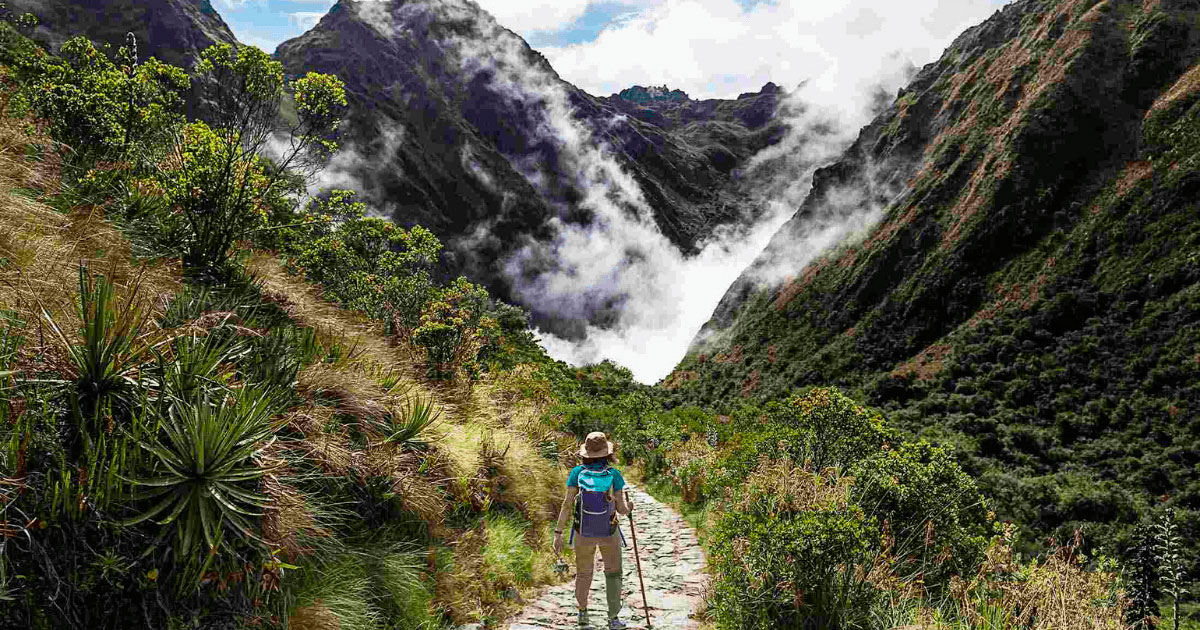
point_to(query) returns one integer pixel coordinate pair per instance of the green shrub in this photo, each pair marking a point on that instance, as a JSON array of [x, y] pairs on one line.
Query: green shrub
[[832, 429], [366, 264], [448, 329], [935, 513], [220, 183], [98, 108], [792, 551]]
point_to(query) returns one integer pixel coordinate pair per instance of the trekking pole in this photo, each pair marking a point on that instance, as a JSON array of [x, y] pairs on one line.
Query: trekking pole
[[638, 559]]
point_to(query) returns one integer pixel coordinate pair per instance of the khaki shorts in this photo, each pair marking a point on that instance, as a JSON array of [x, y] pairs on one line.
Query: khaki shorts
[[585, 553]]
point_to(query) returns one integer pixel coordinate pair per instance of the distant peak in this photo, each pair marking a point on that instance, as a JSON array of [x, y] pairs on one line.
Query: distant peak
[[769, 88], [640, 94]]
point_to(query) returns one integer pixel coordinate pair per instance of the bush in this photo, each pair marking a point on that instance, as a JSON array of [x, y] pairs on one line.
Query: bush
[[824, 516], [935, 514], [792, 551], [448, 329], [833, 429], [97, 108]]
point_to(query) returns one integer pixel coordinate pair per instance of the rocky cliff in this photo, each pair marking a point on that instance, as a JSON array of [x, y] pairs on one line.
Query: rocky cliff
[[172, 30], [463, 128], [1029, 287]]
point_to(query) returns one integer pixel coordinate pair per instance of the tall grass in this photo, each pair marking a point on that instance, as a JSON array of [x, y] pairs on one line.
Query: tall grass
[[508, 559], [372, 588]]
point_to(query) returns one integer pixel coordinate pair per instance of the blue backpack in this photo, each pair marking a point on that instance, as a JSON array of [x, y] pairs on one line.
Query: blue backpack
[[595, 509]]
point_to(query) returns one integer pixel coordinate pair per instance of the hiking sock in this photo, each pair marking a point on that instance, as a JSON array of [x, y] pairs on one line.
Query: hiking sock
[[612, 591]]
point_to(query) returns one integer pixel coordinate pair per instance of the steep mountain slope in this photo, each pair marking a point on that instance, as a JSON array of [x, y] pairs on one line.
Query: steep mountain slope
[[1030, 289], [172, 30], [462, 128]]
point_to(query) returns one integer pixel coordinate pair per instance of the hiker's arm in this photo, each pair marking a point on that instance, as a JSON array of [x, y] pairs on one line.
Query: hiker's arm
[[565, 512], [623, 508]]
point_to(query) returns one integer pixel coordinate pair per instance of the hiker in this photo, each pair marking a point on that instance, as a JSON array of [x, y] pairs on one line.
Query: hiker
[[598, 487]]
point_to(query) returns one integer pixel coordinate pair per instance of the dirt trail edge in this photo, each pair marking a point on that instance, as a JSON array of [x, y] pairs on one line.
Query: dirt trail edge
[[673, 566]]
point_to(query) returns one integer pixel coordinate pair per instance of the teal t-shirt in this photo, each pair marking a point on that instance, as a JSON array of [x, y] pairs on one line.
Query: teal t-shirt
[[618, 480]]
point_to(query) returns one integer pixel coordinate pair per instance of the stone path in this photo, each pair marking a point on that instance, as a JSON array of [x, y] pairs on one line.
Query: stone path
[[673, 566]]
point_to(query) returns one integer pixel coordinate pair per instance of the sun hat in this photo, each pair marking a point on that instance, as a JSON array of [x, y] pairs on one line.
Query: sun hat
[[596, 445]]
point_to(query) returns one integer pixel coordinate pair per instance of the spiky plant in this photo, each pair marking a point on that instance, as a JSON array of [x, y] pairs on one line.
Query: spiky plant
[[195, 364], [206, 472], [104, 365], [1171, 570], [408, 427]]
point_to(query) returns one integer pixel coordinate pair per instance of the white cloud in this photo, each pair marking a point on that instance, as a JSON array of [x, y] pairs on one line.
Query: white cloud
[[719, 48], [305, 20], [530, 16]]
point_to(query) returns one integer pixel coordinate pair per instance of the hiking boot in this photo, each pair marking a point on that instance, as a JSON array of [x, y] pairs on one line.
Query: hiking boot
[[583, 619], [616, 624]]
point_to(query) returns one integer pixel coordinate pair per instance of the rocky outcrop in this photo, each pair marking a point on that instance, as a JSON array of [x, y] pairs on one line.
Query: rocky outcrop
[[171, 30]]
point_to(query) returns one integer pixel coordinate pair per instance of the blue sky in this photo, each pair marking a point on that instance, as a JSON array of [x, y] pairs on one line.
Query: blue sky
[[267, 23]]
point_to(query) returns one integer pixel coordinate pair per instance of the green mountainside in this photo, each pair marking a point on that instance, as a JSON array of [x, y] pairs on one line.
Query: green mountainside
[[1032, 292]]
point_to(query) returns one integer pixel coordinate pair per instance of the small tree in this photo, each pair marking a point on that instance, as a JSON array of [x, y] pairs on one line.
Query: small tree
[[449, 327], [101, 110], [220, 180]]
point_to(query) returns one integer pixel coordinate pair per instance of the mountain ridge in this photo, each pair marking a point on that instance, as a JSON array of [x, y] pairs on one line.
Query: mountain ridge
[[464, 162]]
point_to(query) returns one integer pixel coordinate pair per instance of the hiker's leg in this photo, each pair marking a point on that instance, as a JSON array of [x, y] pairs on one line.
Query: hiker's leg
[[610, 550], [585, 565]]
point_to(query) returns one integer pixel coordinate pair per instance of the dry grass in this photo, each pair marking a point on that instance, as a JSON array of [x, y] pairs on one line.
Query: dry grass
[[315, 616], [372, 352], [926, 365], [1186, 87], [43, 248], [288, 520], [1134, 173], [1057, 593]]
